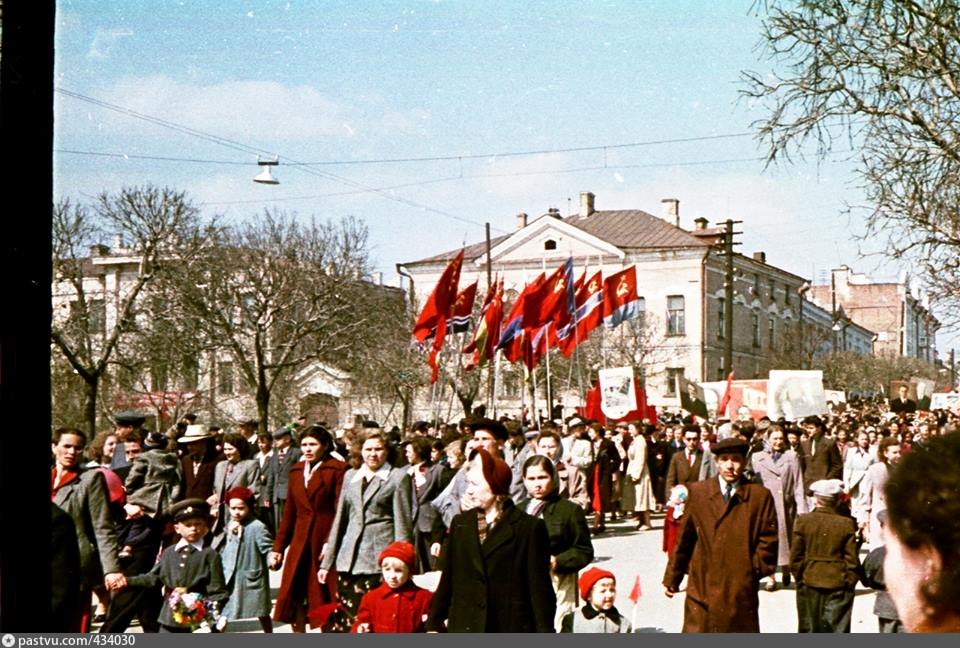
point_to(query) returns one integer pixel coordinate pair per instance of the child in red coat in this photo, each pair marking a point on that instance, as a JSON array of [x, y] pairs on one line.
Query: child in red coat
[[398, 605]]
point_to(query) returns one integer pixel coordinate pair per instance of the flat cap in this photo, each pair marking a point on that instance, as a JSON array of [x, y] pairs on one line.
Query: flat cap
[[496, 428], [827, 487], [730, 445]]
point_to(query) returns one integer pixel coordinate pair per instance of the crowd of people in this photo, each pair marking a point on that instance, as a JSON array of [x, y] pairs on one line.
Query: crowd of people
[[180, 530]]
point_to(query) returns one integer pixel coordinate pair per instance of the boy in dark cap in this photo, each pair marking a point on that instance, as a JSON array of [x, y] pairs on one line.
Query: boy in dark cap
[[188, 567]]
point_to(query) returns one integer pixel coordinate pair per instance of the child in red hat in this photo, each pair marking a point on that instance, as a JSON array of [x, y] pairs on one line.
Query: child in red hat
[[598, 588], [397, 605]]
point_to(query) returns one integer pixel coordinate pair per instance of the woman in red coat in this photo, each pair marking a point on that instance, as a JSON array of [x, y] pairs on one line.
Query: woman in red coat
[[311, 504]]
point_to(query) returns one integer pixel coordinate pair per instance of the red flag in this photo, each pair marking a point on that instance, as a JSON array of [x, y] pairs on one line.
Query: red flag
[[511, 337], [588, 316], [620, 299], [462, 309], [433, 317], [438, 306], [553, 302], [635, 593], [722, 408]]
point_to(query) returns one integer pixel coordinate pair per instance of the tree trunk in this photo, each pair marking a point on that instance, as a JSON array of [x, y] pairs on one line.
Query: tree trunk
[[90, 405], [263, 406]]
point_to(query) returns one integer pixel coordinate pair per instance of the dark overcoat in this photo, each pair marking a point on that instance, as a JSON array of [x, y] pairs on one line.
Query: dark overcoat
[[825, 463], [725, 548], [680, 471], [304, 528], [569, 535], [500, 586]]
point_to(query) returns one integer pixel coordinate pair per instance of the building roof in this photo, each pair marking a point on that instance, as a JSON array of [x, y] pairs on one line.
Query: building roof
[[627, 229]]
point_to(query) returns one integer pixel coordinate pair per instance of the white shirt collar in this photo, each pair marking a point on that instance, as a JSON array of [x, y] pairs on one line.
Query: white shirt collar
[[723, 485], [198, 545], [365, 472]]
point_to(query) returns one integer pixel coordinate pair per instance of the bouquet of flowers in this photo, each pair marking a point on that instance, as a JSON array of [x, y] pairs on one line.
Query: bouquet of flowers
[[189, 609], [677, 500]]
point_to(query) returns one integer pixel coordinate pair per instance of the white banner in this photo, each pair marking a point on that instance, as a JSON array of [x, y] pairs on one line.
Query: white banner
[[795, 394], [949, 401], [617, 394]]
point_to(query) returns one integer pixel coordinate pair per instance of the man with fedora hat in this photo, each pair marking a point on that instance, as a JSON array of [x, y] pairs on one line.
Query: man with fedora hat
[[727, 542], [198, 463]]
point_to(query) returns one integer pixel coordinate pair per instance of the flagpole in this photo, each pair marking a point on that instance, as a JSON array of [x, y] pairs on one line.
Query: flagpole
[[546, 355], [495, 370]]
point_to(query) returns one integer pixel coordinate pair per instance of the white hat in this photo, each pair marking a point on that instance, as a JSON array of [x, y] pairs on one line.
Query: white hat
[[574, 422], [195, 433], [827, 487]]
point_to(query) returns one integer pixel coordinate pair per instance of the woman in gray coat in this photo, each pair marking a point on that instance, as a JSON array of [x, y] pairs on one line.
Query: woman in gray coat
[[373, 511], [238, 469], [779, 469]]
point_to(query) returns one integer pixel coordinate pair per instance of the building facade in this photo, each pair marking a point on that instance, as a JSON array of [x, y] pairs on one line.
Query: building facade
[[897, 311], [680, 277]]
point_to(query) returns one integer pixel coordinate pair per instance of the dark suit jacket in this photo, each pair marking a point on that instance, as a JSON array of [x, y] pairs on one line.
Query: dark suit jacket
[[903, 406], [681, 472], [201, 484], [823, 552], [500, 586], [278, 475], [423, 515], [826, 463]]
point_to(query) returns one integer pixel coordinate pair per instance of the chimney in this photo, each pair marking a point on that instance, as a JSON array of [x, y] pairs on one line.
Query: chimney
[[671, 211], [521, 220], [760, 256], [586, 204], [701, 223], [99, 250], [117, 242], [554, 212]]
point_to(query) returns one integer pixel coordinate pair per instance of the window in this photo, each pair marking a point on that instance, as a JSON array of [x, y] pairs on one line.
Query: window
[[158, 377], [756, 329], [773, 291], [225, 378], [673, 376], [191, 372], [771, 331], [756, 286], [96, 315], [641, 308], [675, 315], [549, 244], [786, 295], [721, 317]]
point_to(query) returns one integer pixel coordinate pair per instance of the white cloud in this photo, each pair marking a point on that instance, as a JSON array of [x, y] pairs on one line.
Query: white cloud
[[103, 41]]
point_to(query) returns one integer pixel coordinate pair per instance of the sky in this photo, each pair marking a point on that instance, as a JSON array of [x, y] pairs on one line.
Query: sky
[[428, 118]]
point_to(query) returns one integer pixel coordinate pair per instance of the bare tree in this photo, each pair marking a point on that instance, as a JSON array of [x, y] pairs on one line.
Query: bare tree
[[884, 78], [155, 223], [276, 294]]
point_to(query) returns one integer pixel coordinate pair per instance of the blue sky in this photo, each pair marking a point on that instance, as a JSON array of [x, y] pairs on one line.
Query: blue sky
[[335, 82]]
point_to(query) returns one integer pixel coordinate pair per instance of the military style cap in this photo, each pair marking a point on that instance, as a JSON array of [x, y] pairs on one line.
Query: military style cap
[[190, 508], [129, 417]]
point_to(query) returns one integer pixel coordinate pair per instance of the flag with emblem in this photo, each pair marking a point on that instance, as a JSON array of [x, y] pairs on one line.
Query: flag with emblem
[[620, 299], [459, 321], [553, 302], [587, 316], [512, 333]]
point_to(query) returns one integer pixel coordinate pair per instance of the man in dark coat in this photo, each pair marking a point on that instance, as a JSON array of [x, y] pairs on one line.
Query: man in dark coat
[[65, 568], [495, 575], [284, 457], [199, 463], [821, 458], [824, 558], [727, 542]]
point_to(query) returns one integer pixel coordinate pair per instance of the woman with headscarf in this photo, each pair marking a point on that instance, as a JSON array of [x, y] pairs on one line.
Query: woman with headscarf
[[570, 547], [495, 564], [922, 565], [373, 511], [314, 488]]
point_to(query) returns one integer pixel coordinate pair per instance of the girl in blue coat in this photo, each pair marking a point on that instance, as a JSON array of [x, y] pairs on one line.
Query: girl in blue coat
[[244, 547]]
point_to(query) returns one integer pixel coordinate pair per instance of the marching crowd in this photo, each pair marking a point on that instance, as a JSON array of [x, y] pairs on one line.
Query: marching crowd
[[180, 530]]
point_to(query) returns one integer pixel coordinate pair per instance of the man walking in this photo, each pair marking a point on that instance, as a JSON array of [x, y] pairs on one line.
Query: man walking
[[278, 473], [727, 543], [821, 458], [824, 559]]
